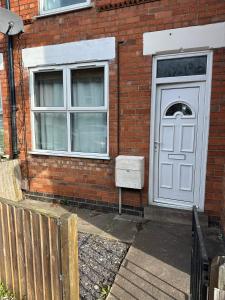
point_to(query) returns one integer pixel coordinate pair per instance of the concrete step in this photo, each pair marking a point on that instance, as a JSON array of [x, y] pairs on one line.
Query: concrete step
[[171, 215]]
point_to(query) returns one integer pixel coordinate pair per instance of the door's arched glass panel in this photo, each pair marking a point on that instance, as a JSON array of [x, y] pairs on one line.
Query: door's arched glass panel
[[179, 108]]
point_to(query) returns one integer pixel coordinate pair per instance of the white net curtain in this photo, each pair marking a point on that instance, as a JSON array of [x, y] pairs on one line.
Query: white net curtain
[[88, 129]]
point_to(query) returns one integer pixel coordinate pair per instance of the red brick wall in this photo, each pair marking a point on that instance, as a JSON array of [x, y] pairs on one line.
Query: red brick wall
[[216, 149], [94, 179]]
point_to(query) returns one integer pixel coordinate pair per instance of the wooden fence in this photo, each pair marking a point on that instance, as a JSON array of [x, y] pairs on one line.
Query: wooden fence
[[10, 180], [217, 279], [38, 251]]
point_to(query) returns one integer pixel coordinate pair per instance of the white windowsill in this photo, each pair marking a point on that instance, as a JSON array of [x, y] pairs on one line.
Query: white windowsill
[[64, 10], [103, 157]]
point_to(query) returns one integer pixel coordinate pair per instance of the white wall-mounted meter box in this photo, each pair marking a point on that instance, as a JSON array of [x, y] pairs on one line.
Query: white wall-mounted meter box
[[130, 172]]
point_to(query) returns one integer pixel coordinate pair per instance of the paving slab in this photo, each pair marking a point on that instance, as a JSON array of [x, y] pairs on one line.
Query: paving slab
[[108, 225], [157, 265]]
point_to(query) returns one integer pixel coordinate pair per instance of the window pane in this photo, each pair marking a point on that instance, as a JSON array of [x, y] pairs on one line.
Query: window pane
[[186, 66], [89, 132], [179, 107], [49, 89], [51, 131], [87, 87], [1, 134], [53, 4]]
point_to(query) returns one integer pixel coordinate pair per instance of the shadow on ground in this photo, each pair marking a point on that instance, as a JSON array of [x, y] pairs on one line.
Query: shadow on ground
[[157, 265]]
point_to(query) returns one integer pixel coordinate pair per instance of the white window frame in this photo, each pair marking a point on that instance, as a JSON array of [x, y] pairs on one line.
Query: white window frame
[[63, 8], [67, 108]]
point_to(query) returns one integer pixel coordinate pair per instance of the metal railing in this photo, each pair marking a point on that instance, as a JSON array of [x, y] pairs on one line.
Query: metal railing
[[199, 262]]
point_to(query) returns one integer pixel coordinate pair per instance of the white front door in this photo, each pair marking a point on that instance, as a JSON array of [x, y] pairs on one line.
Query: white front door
[[178, 144]]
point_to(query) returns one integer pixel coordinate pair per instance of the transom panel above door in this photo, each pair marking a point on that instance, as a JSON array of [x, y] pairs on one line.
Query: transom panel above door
[[178, 143]]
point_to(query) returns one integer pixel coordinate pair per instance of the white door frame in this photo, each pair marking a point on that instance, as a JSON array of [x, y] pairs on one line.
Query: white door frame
[[207, 78]]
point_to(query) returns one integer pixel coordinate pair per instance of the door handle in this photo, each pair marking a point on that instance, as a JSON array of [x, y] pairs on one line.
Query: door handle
[[157, 145]]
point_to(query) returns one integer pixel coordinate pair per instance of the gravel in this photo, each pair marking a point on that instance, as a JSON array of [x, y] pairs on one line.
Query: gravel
[[99, 262]]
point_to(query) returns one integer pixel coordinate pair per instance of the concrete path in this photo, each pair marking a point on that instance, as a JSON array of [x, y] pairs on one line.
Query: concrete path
[[157, 265]]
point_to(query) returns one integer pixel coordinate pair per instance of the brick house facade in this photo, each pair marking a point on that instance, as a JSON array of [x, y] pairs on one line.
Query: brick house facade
[[130, 90]]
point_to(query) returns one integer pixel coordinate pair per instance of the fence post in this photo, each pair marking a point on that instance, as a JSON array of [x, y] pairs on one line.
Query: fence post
[[219, 294], [217, 276], [69, 255]]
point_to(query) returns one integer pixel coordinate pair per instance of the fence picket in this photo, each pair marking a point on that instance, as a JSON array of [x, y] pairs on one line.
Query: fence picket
[[46, 258], [22, 290]]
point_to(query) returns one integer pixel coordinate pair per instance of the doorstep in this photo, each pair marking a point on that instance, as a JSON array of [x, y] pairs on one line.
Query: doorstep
[[172, 215]]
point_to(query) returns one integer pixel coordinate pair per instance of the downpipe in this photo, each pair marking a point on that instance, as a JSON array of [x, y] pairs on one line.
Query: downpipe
[[13, 107]]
